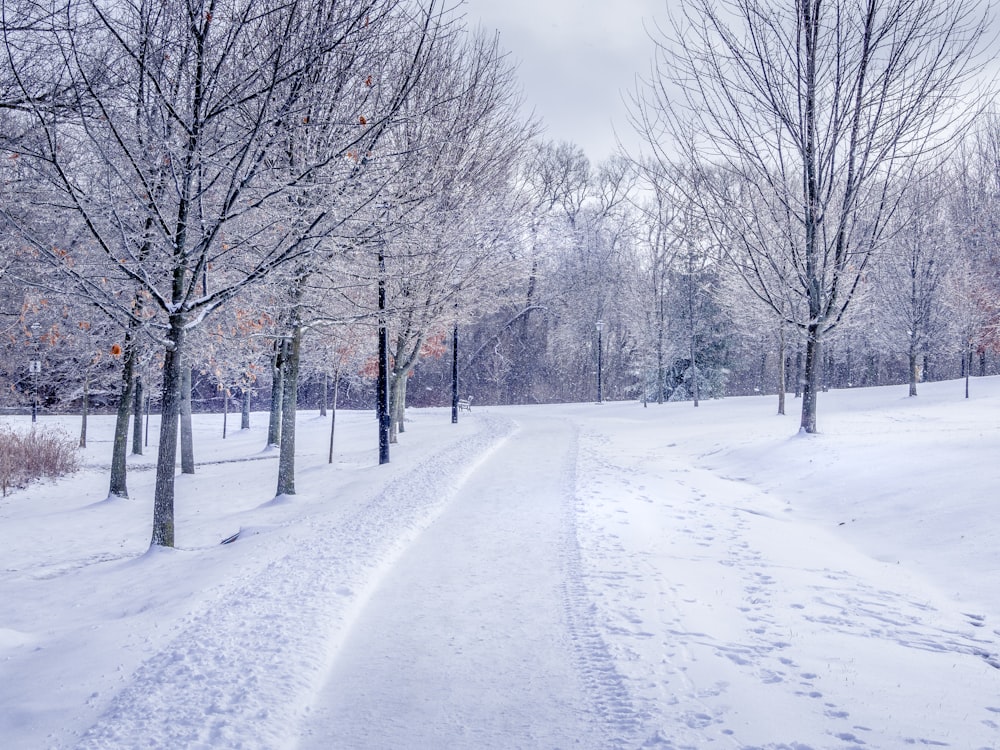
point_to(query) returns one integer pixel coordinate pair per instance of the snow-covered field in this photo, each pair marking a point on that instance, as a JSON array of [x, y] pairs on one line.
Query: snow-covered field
[[587, 576]]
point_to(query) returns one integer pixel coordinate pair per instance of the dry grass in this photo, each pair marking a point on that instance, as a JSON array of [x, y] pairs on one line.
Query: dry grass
[[26, 457]]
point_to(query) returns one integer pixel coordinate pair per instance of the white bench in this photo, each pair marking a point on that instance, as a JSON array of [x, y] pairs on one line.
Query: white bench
[[465, 404]]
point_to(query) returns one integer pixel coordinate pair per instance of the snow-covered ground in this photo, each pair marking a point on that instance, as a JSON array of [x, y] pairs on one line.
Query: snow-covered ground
[[587, 576]]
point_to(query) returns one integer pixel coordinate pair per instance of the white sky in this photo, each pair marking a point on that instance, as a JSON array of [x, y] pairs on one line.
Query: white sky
[[576, 59]]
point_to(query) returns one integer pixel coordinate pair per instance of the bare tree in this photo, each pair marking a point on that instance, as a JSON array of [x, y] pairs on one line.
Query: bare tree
[[657, 213], [909, 276], [813, 113]]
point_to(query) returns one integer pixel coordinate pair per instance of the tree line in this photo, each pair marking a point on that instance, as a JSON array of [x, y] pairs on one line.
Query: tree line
[[265, 202]]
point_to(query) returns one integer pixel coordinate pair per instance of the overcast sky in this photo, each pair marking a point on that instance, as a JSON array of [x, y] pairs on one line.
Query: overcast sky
[[576, 59]]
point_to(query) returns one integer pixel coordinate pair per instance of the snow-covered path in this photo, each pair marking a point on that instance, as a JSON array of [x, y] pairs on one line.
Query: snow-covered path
[[478, 635]]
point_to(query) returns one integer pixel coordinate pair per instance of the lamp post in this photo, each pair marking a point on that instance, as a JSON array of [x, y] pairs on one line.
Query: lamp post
[[382, 389], [34, 367], [456, 286], [454, 374], [600, 391]]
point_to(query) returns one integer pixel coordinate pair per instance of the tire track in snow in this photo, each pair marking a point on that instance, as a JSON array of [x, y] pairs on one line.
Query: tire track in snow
[[240, 674], [609, 693]]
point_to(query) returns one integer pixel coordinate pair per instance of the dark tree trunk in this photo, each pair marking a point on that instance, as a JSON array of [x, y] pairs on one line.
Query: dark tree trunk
[[695, 389], [913, 366], [118, 486], [762, 375], [333, 413], [798, 372], [225, 411], [968, 369], [84, 408], [163, 498], [782, 369], [187, 431], [522, 369], [277, 373], [289, 397], [326, 389], [661, 370], [810, 380], [875, 367], [137, 402]]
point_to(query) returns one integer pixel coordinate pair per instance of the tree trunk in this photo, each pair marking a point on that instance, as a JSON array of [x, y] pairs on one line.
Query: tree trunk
[[521, 379], [762, 376], [245, 410], [810, 380], [661, 373], [782, 369], [968, 369], [277, 374], [137, 402], [326, 388], [163, 497], [289, 397], [333, 413], [694, 373], [798, 371], [395, 395], [225, 410], [187, 432], [84, 408], [913, 366], [401, 406], [118, 486]]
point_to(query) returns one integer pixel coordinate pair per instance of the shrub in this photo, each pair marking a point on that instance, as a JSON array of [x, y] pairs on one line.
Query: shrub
[[26, 457]]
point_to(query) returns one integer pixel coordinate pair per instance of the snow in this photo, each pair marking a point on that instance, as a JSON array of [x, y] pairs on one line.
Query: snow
[[588, 576]]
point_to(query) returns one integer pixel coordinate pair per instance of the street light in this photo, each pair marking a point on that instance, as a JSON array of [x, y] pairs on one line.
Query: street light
[[34, 367], [600, 392], [382, 388], [454, 374], [456, 283]]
